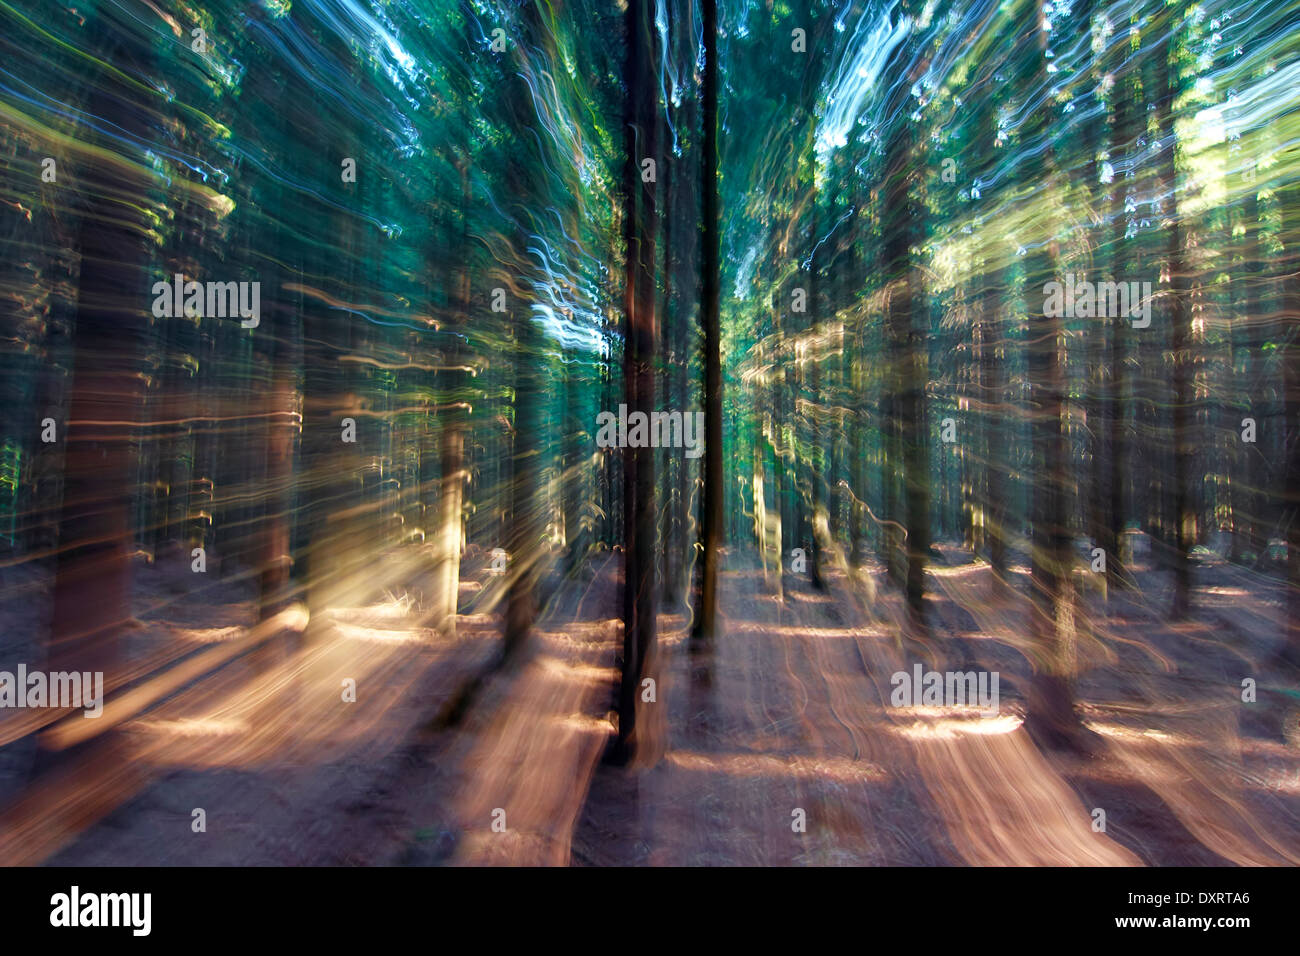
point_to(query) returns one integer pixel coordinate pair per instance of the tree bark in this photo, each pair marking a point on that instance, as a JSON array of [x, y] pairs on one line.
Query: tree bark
[[711, 511], [640, 226]]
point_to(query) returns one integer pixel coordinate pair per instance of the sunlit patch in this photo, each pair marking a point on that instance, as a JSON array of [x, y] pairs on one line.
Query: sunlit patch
[[583, 723], [768, 765], [206, 635], [827, 633], [673, 636], [193, 726], [958, 571], [569, 670], [377, 635], [798, 598], [944, 725], [1140, 734], [1281, 781]]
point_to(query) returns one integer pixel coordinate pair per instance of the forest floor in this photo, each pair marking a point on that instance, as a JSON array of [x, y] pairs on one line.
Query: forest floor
[[787, 711]]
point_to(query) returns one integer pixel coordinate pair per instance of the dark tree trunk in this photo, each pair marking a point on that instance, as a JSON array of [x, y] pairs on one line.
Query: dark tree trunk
[[92, 585], [711, 510], [994, 382], [1119, 465], [909, 432], [1289, 287], [1183, 513], [640, 226], [524, 539], [1051, 714]]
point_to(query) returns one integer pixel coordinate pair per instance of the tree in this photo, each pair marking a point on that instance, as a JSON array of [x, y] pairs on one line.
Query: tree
[[1051, 699], [908, 429], [711, 512], [640, 227], [1184, 513], [92, 585]]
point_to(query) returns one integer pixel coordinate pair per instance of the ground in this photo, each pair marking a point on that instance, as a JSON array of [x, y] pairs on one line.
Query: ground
[[783, 719]]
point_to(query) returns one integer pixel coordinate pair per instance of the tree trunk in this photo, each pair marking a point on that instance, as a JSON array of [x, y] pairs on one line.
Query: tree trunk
[[1183, 513], [640, 227], [711, 511], [92, 584], [1051, 715], [909, 432]]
